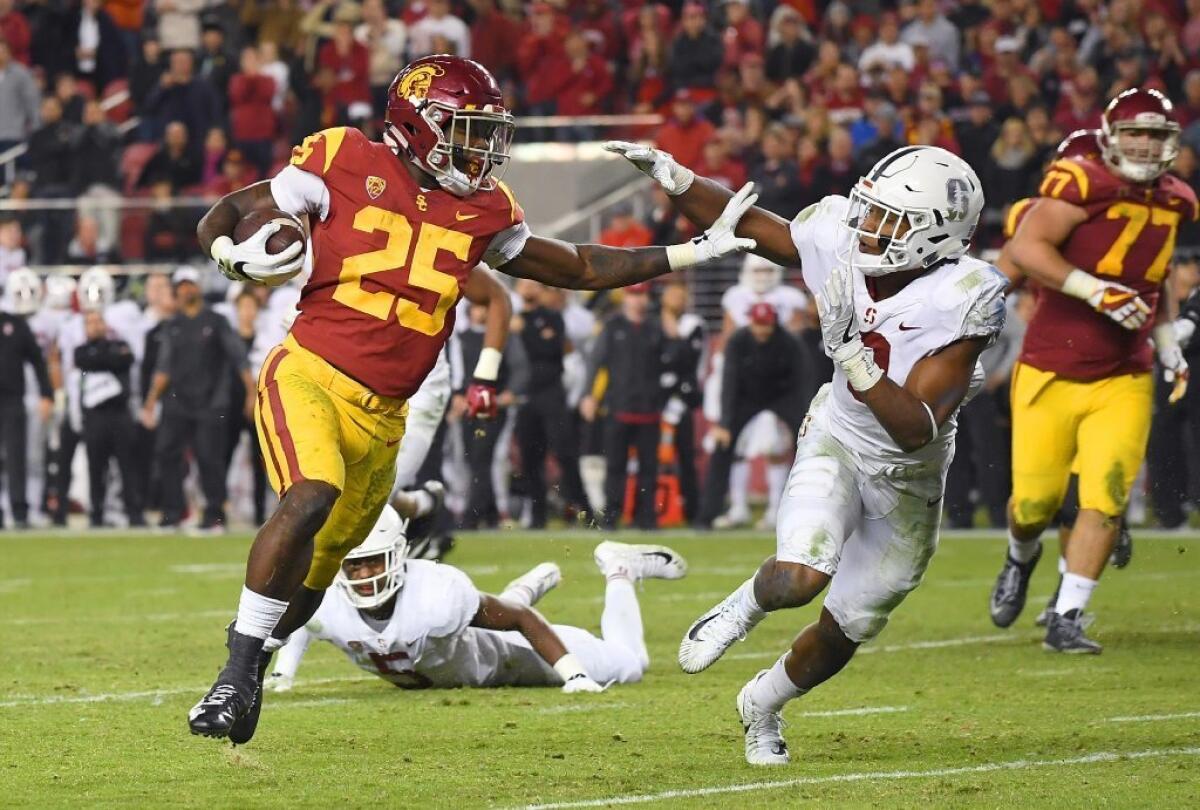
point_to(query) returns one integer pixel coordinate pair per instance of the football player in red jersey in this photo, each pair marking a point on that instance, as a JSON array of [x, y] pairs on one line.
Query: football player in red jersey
[[1097, 240], [397, 230]]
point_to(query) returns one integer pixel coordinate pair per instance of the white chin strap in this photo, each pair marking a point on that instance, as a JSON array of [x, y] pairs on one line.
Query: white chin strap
[[871, 265]]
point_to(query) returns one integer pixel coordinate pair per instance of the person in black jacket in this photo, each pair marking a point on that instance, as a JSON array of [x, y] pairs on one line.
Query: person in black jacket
[[626, 366], [198, 353], [108, 428], [481, 435], [683, 352], [765, 370], [543, 422], [18, 346]]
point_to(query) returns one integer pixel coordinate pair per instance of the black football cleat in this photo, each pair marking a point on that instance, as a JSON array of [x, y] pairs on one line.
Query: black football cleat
[[421, 528], [1122, 552], [1011, 588], [243, 727], [218, 711], [1064, 634]]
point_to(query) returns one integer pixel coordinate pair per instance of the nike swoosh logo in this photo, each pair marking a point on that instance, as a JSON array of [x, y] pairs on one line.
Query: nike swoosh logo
[[933, 502], [1115, 298], [907, 328], [461, 217], [393, 443], [847, 337], [665, 556], [698, 626]]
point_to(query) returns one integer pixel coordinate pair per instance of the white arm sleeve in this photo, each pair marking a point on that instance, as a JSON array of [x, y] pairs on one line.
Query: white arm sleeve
[[507, 244], [288, 659], [299, 192]]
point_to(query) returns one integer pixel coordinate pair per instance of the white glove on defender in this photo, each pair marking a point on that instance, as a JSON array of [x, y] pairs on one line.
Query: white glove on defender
[[719, 240], [250, 261], [580, 684], [1170, 357], [656, 164], [839, 330]]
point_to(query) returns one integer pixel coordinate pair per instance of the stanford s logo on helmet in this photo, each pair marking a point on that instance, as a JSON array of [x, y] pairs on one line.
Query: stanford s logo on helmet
[[1139, 136], [447, 114]]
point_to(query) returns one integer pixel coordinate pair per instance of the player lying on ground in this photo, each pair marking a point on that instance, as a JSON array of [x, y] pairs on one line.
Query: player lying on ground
[[419, 624], [1097, 239], [904, 315], [396, 227]]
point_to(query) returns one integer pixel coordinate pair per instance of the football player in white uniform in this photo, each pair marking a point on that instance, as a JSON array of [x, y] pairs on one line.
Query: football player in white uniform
[[761, 280], [420, 624], [904, 316]]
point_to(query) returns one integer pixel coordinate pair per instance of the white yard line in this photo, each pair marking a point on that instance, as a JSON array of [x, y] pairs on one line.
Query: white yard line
[[572, 708], [914, 645], [1151, 718], [129, 617], [155, 695], [854, 712], [873, 776]]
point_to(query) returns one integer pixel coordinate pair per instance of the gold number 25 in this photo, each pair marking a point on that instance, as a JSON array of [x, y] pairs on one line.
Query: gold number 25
[[421, 275], [1136, 216]]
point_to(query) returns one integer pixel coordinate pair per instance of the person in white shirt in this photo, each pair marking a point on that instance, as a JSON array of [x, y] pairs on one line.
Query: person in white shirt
[[439, 22], [419, 624]]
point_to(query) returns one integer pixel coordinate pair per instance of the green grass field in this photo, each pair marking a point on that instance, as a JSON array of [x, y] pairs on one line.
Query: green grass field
[[106, 641]]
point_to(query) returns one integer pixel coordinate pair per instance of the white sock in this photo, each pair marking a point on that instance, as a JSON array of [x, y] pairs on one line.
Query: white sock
[[773, 690], [750, 608], [257, 614], [1020, 550], [1062, 566], [739, 483], [621, 621], [422, 502], [776, 478], [519, 594], [273, 644], [1074, 593]]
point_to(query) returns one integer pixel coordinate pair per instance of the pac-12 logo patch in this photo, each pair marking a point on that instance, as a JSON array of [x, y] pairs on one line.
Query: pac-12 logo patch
[[956, 199], [375, 186]]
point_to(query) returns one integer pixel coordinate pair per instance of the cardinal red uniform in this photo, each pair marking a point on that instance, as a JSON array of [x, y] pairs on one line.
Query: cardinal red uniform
[[389, 259], [1083, 386]]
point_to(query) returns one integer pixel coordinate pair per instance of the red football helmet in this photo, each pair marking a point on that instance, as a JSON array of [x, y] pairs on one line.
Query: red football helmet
[[447, 114], [1082, 143], [1139, 137]]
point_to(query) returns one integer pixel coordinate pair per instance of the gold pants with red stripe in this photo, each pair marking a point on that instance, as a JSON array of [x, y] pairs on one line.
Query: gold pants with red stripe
[[317, 424]]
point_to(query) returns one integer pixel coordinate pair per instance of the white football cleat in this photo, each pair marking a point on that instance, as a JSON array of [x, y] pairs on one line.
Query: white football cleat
[[539, 581], [639, 561], [713, 633], [731, 520], [764, 730]]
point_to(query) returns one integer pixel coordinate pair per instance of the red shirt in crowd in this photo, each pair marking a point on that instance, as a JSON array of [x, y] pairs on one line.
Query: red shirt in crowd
[[685, 141], [744, 38], [349, 71], [251, 117], [492, 36], [626, 232], [583, 88], [14, 28], [536, 58]]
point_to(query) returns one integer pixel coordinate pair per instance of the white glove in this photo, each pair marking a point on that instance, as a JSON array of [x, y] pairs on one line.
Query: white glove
[[1121, 303], [839, 330], [278, 682], [719, 240], [1170, 357], [656, 164], [581, 683], [250, 261]]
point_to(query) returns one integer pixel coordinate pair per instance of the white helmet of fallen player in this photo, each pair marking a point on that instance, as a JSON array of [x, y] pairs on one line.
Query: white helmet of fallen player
[[759, 274], [917, 206], [23, 291], [97, 290], [388, 542]]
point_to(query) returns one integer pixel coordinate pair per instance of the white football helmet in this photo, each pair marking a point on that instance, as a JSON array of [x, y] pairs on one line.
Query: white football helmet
[[387, 540], [932, 192], [23, 292], [97, 290], [60, 292], [759, 274]]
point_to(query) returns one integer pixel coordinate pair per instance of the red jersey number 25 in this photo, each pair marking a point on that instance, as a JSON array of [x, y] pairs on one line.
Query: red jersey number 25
[[422, 275]]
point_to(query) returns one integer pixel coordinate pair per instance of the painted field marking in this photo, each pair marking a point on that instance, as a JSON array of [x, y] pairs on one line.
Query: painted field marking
[[581, 707], [855, 712], [1151, 718], [914, 645], [872, 776], [155, 695]]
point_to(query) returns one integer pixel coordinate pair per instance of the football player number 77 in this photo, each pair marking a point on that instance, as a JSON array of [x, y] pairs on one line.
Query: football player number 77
[[379, 304]]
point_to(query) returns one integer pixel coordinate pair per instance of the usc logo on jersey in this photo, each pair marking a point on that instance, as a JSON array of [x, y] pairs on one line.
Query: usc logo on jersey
[[416, 84]]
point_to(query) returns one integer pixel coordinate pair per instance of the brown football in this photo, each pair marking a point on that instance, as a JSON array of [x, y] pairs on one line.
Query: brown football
[[291, 229]]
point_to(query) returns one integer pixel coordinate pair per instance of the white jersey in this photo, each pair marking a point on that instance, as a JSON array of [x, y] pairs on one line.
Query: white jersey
[[428, 641], [960, 299], [786, 300]]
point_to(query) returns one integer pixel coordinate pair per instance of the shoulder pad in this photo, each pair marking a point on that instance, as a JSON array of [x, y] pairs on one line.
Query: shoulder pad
[[448, 598], [971, 297], [816, 218], [1077, 181], [1016, 213], [315, 153], [1181, 189]]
